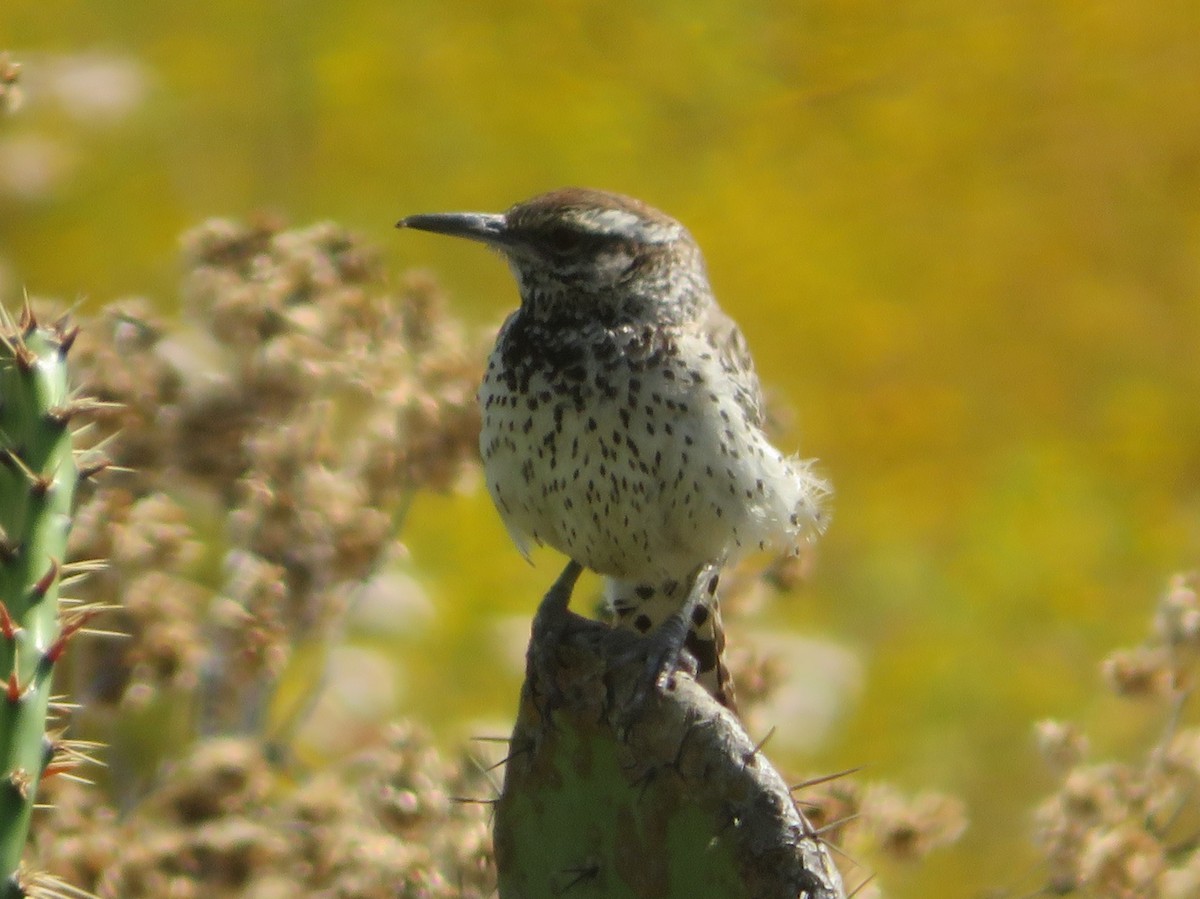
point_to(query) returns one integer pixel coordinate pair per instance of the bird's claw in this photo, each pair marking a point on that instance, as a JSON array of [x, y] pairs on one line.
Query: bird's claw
[[664, 655]]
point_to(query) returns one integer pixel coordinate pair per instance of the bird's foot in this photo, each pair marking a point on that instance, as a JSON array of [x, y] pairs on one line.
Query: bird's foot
[[664, 652]]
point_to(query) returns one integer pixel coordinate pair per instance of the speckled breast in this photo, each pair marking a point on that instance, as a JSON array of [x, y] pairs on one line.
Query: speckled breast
[[619, 448]]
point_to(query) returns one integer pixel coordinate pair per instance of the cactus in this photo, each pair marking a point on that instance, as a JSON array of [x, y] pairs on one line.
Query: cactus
[[38, 476], [610, 790]]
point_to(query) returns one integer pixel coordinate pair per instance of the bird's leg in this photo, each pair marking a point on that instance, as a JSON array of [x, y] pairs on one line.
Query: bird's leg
[[549, 623], [665, 651]]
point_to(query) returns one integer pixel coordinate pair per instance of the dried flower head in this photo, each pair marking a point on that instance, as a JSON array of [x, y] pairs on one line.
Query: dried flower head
[[1177, 619], [10, 88], [292, 422], [1060, 743], [1127, 830], [1125, 861], [225, 823], [1144, 671], [908, 828]]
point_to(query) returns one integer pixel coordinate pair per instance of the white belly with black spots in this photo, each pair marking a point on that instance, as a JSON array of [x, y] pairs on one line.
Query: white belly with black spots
[[638, 473]]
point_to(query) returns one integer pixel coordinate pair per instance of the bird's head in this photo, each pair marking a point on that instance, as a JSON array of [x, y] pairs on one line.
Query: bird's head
[[586, 253]]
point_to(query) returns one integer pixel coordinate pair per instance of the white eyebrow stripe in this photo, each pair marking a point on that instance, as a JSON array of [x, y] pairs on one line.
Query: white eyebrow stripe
[[608, 221], [616, 220]]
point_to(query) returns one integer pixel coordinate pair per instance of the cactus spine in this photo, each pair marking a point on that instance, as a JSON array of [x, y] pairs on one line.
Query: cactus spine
[[38, 476]]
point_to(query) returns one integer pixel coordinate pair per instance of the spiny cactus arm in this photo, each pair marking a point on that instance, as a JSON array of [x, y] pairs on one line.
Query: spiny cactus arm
[[38, 476], [617, 791]]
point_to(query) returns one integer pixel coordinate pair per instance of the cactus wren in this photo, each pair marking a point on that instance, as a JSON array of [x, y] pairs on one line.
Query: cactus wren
[[622, 418]]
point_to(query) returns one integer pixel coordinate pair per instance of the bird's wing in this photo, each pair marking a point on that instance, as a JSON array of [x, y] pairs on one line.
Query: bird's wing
[[723, 334]]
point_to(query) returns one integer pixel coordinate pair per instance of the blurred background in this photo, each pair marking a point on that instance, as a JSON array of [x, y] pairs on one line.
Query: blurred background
[[963, 241]]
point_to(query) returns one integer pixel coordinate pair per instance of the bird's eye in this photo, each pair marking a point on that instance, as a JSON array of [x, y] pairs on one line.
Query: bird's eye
[[562, 240]]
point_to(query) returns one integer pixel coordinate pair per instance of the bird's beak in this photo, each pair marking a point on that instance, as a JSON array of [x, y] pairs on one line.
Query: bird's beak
[[488, 228]]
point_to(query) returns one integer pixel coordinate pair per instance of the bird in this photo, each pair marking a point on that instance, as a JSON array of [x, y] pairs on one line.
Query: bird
[[623, 420]]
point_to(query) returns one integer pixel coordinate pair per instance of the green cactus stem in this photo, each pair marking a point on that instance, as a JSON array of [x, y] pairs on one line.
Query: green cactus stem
[[38, 476], [611, 790]]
